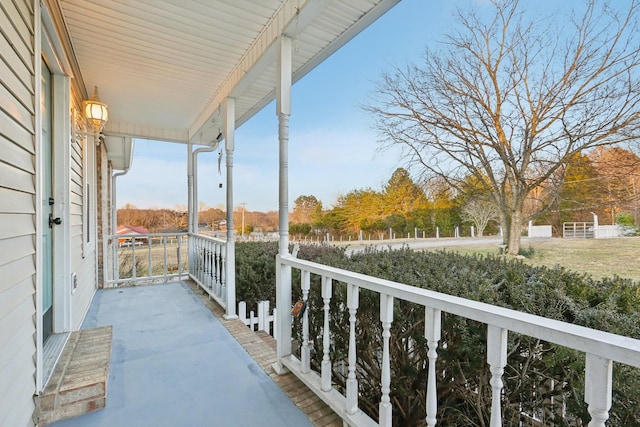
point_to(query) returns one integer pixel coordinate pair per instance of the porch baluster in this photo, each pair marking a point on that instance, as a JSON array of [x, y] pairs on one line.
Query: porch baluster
[[201, 261], [212, 268], [598, 388], [305, 351], [197, 255], [326, 336], [497, 359], [216, 269], [386, 317], [207, 264], [179, 254], [432, 334], [150, 260], [352, 381], [134, 269], [189, 255], [200, 272], [223, 275], [212, 265], [164, 245]]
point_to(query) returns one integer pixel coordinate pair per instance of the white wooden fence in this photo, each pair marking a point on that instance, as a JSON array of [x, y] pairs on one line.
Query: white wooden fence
[[263, 321]]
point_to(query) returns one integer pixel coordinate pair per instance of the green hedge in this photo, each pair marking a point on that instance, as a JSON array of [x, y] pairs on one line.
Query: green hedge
[[537, 374]]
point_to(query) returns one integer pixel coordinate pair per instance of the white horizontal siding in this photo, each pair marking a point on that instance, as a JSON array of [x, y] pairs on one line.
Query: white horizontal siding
[[18, 112], [21, 291], [15, 28], [86, 286], [23, 67], [13, 250], [14, 131], [13, 84], [16, 156], [20, 358], [21, 412], [14, 225], [16, 201], [17, 213], [83, 254], [15, 342], [15, 272], [15, 179]]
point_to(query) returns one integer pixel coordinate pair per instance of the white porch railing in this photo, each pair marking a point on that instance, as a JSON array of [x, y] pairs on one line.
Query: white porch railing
[[601, 349], [208, 266], [147, 258], [162, 257]]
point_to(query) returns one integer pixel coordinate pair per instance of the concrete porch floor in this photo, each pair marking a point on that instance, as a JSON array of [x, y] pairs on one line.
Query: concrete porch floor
[[174, 363]]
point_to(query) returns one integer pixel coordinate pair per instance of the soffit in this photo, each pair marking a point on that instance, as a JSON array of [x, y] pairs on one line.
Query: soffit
[[164, 67]]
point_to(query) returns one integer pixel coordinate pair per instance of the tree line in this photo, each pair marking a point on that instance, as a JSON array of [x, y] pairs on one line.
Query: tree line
[[605, 181], [167, 220]]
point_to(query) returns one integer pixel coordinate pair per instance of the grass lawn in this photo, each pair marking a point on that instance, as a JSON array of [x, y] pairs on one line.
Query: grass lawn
[[600, 258]]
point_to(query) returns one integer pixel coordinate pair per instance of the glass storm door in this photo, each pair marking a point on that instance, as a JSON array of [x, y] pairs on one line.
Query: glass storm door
[[47, 205]]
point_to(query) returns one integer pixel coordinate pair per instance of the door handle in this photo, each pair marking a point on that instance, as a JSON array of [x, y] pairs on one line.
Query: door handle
[[52, 220]]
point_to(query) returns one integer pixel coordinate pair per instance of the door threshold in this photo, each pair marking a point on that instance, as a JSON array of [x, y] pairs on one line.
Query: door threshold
[[51, 353]]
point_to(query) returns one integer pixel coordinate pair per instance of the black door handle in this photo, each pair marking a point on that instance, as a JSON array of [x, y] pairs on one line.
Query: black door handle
[[52, 220]]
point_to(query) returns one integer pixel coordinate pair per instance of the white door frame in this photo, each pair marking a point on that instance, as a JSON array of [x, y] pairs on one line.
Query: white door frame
[[48, 45]]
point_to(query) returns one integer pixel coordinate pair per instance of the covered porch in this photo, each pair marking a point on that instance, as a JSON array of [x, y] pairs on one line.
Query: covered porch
[[194, 74], [205, 264]]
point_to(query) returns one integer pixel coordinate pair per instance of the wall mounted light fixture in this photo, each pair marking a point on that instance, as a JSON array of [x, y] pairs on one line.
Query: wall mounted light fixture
[[96, 112]]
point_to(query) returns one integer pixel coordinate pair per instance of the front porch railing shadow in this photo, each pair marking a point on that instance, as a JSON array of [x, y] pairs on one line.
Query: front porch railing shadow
[[600, 349]]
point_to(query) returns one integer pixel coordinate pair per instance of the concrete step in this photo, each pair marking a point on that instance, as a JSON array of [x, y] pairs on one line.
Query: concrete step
[[79, 381]]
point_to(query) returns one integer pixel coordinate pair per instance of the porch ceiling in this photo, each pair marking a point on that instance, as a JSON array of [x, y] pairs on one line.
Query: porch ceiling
[[164, 67]]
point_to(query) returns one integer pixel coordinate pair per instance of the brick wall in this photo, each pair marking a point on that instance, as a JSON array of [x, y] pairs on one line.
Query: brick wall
[[104, 171]]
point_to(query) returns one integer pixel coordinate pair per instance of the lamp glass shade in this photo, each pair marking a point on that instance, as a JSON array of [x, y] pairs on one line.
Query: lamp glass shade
[[96, 112]]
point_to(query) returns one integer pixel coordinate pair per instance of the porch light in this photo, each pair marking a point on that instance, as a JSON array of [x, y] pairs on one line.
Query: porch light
[[96, 112]]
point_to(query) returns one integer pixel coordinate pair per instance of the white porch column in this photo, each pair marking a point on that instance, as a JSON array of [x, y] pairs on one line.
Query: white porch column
[[229, 137], [190, 187], [190, 247], [283, 273], [283, 110]]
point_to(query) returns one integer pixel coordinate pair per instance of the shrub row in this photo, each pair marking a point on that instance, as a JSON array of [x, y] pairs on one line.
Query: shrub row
[[542, 381]]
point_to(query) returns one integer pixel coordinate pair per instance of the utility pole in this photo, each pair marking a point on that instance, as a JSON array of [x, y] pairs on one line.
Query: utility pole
[[242, 230]]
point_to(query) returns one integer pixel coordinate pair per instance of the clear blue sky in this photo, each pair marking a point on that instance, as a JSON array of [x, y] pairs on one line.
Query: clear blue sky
[[332, 149]]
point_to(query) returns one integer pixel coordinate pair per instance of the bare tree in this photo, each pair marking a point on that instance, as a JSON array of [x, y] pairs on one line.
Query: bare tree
[[512, 100], [481, 213]]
